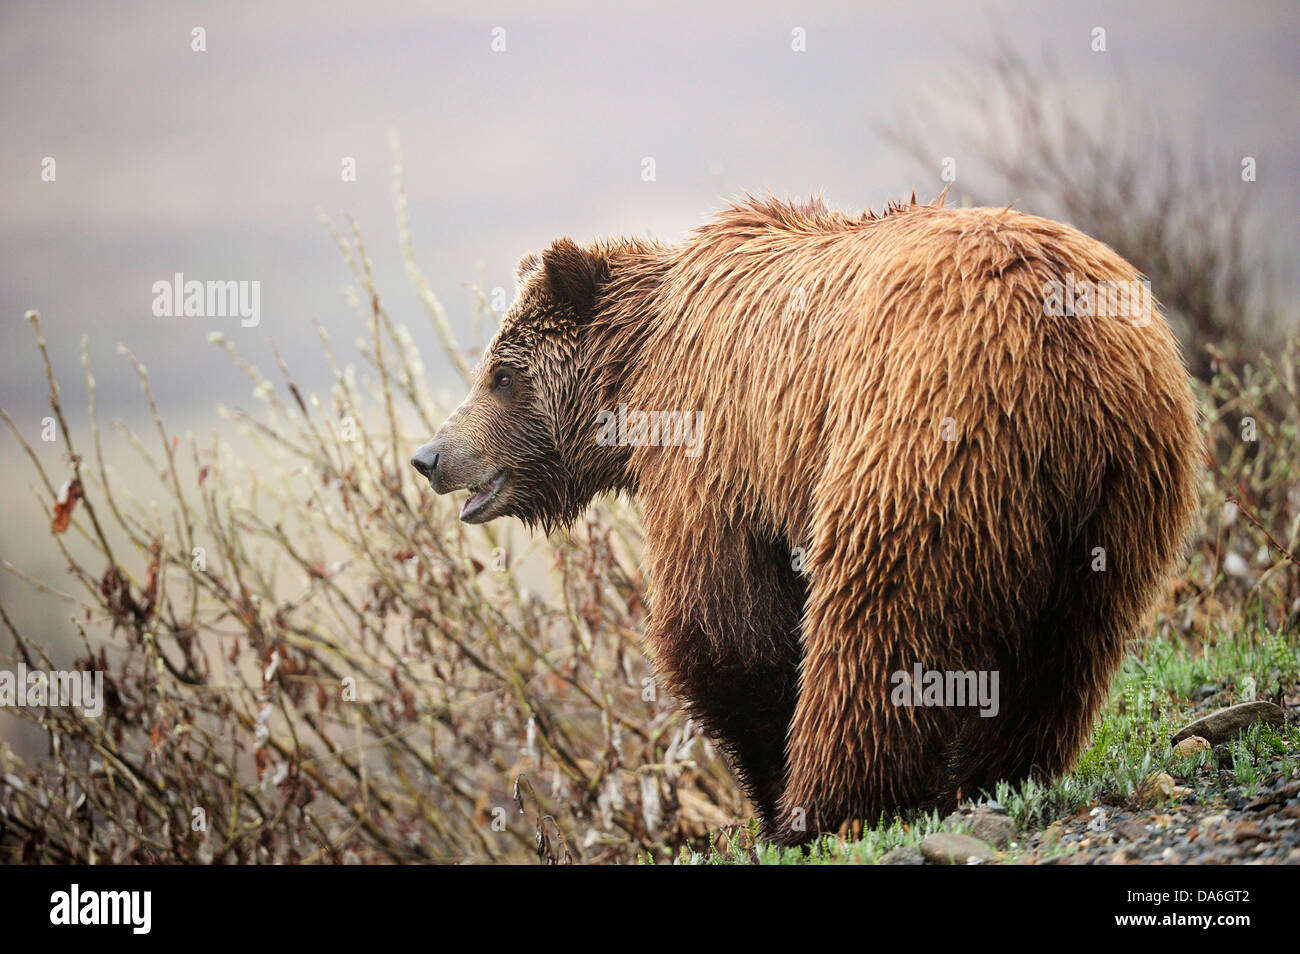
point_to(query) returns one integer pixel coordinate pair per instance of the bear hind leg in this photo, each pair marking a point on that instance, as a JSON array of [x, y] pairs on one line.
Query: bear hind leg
[[856, 755], [727, 644]]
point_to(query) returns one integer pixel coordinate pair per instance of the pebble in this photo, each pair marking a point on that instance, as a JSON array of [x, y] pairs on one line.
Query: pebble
[[947, 848], [1191, 745], [1131, 830], [902, 855], [1157, 788], [1246, 831], [988, 826], [1277, 796]]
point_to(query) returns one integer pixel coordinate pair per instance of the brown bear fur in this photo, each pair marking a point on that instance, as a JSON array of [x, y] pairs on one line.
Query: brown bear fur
[[829, 535]]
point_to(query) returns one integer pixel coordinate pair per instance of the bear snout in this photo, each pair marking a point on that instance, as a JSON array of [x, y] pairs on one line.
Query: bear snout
[[426, 461], [449, 463]]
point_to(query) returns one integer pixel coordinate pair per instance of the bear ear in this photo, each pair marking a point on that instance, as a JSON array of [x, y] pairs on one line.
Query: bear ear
[[575, 274], [527, 265]]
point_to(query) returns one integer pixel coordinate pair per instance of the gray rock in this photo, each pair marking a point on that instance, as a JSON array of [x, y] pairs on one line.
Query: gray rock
[[1226, 724], [1131, 830], [988, 826], [946, 848], [1277, 797], [903, 855]]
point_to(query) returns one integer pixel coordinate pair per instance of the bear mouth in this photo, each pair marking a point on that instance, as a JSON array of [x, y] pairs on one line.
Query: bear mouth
[[478, 507]]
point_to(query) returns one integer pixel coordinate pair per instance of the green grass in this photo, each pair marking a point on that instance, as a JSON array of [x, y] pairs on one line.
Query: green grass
[[1154, 696]]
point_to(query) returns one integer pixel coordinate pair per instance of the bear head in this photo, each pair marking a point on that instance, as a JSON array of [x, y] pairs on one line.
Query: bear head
[[523, 442]]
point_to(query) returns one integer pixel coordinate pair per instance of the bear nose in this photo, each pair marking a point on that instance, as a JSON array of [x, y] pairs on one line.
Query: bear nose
[[426, 460]]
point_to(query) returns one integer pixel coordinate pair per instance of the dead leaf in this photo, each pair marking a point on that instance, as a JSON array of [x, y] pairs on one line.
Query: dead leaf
[[157, 735], [1157, 788], [66, 502]]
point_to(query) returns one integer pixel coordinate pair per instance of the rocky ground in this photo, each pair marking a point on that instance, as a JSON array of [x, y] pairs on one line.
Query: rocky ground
[[1200, 816]]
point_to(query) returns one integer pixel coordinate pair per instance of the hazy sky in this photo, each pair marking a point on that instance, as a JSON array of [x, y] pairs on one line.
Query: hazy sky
[[211, 163]]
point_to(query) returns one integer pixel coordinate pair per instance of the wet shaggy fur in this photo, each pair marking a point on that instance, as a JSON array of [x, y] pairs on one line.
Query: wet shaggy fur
[[829, 535]]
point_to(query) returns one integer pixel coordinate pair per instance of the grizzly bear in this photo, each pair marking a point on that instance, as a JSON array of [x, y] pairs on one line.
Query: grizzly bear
[[927, 441]]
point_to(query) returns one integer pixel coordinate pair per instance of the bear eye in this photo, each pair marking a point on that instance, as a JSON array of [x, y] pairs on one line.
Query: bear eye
[[503, 380]]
